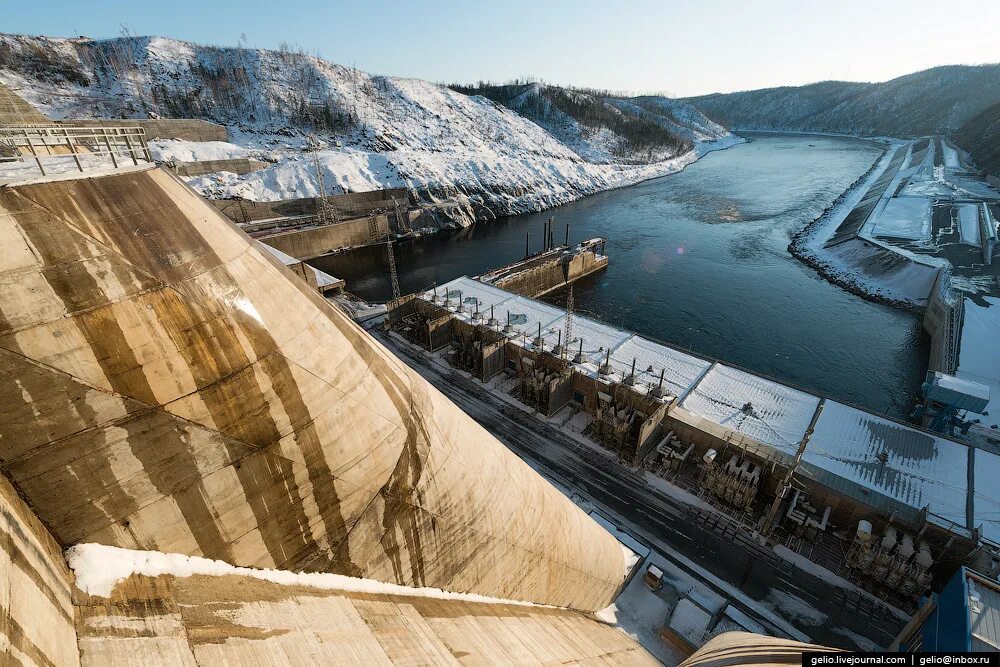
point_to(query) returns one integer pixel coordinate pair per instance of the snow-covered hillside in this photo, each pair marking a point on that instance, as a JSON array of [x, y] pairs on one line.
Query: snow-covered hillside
[[377, 131]]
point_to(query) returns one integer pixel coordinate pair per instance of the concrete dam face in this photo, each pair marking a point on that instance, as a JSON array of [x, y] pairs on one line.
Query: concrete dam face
[[165, 385]]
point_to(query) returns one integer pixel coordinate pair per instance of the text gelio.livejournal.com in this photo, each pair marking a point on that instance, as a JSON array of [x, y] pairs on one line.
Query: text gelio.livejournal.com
[[831, 659]]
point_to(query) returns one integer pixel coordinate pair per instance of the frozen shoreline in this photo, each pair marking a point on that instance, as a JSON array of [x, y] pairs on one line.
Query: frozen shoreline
[[805, 242]]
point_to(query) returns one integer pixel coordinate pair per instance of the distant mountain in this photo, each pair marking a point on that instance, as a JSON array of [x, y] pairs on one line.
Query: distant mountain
[[604, 127], [981, 137], [935, 101], [445, 146]]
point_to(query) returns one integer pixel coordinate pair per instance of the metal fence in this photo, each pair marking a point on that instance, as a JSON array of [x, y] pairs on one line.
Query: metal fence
[[61, 148]]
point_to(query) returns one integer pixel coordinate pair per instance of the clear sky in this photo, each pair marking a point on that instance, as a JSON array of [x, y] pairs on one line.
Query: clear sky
[[678, 48]]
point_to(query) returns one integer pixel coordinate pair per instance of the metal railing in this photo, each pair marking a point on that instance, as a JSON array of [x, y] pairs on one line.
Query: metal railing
[[61, 148]]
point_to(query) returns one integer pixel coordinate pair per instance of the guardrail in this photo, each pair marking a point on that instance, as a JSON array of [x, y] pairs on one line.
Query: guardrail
[[58, 149]]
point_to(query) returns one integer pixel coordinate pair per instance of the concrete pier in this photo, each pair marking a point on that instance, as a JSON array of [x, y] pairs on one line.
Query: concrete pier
[[550, 269]]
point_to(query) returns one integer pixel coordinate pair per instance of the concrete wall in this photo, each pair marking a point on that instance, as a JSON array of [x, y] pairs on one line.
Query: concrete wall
[[239, 620], [15, 111], [240, 165], [163, 128], [942, 321], [346, 205], [166, 384], [315, 241], [36, 607], [553, 275]]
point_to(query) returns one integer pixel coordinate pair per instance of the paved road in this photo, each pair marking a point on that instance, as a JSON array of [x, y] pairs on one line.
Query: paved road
[[664, 523]]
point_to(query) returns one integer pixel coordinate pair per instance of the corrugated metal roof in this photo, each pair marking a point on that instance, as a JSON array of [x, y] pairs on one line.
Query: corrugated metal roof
[[984, 615], [987, 493], [775, 415], [914, 467]]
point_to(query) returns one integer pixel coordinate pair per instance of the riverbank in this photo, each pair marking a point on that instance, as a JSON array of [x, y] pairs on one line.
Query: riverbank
[[700, 261], [452, 189], [803, 243]]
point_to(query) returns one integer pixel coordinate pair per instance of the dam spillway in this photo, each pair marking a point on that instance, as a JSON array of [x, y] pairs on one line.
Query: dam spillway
[[169, 386]]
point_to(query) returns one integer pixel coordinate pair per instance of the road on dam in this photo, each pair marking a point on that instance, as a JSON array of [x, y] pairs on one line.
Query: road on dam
[[662, 522]]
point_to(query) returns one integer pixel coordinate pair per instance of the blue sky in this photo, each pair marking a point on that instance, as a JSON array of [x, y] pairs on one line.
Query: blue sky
[[680, 48]]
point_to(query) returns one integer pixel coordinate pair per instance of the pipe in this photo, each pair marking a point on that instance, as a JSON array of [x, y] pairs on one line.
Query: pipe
[[527, 237], [567, 234]]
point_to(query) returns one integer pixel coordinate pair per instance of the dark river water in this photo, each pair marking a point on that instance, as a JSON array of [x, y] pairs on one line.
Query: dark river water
[[699, 260]]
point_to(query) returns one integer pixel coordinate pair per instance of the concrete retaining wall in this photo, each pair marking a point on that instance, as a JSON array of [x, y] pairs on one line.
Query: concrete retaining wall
[[240, 165], [942, 321], [36, 606], [315, 241], [346, 205], [15, 111], [163, 128], [554, 275]]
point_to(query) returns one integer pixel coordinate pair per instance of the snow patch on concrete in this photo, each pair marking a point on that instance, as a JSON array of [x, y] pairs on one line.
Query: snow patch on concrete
[[99, 568]]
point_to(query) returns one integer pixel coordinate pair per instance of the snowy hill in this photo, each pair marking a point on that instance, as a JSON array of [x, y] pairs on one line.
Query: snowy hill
[[603, 127], [379, 131], [934, 101]]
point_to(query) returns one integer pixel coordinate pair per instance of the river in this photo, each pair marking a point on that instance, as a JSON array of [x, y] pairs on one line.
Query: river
[[699, 259]]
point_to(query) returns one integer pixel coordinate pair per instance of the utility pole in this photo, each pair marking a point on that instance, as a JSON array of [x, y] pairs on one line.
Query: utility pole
[[786, 482], [568, 325], [392, 272]]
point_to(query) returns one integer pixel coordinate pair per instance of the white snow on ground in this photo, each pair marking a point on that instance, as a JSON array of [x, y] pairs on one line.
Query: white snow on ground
[[99, 568], [914, 467], [380, 131], [640, 613], [968, 223], [885, 271], [795, 607], [766, 411], [979, 351], [905, 218], [63, 165], [322, 278], [860, 641], [176, 150], [681, 370], [689, 621], [950, 155]]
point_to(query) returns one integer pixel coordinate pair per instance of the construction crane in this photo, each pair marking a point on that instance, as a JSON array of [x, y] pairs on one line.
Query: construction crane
[[326, 213]]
